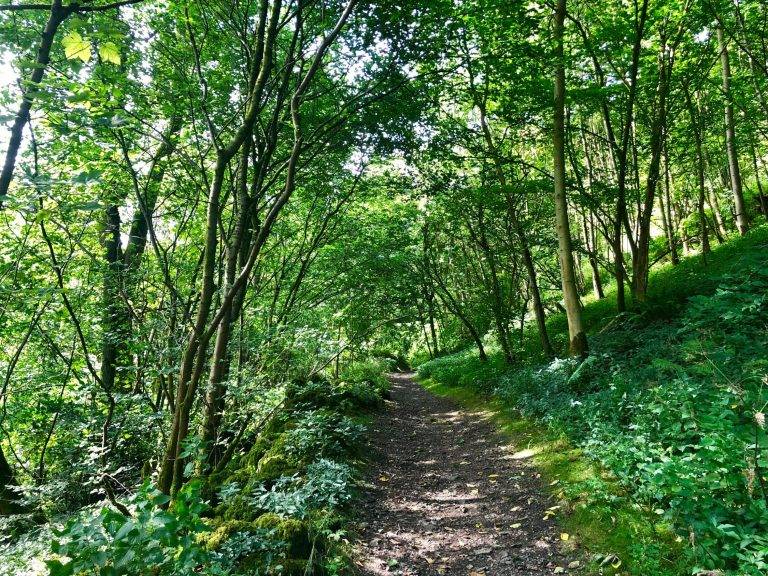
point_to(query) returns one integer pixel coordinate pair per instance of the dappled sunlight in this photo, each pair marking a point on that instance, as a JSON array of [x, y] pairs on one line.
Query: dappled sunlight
[[523, 454], [470, 506], [453, 496]]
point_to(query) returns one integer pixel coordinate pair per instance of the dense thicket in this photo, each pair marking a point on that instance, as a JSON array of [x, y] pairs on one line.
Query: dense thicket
[[210, 208]]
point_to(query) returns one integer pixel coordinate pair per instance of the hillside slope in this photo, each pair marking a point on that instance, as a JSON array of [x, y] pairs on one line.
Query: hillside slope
[[670, 403]]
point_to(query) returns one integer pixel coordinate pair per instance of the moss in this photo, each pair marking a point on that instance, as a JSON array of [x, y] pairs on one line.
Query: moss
[[295, 533], [240, 476], [222, 531], [237, 508], [276, 462], [313, 393], [350, 395]]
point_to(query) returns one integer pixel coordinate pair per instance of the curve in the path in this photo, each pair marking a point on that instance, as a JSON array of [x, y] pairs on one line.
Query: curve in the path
[[448, 496]]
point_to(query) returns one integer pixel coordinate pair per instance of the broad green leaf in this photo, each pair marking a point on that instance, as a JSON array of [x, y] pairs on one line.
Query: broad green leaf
[[75, 47], [109, 52]]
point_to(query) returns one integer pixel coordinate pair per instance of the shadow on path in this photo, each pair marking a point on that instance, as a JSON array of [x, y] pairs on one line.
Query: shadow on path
[[449, 496]]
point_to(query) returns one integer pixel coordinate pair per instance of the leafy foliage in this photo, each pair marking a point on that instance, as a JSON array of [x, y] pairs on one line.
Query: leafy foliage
[[673, 408]]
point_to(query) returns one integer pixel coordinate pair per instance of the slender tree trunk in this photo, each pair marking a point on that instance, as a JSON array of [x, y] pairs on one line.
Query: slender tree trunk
[[762, 197], [667, 215], [622, 218], [57, 15], [597, 283], [714, 203], [517, 226], [640, 263], [116, 320], [590, 240], [730, 139], [696, 118], [432, 327], [452, 305], [576, 333], [665, 225], [221, 359], [496, 292], [429, 288], [171, 474], [538, 305], [423, 323]]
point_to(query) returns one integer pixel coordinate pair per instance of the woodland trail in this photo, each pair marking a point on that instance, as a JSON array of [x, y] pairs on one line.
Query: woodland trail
[[449, 495]]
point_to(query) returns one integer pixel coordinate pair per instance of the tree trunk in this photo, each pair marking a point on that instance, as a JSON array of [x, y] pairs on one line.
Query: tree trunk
[[432, 327], [8, 496], [693, 112], [221, 360], [576, 333], [730, 139], [591, 243], [762, 197], [590, 240], [452, 305], [641, 264], [538, 307], [671, 236], [496, 292], [116, 319], [57, 16]]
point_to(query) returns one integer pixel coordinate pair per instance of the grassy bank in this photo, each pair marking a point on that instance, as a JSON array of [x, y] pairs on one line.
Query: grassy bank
[[656, 443], [615, 534]]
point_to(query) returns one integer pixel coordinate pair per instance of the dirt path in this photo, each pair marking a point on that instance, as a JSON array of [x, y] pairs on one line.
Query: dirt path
[[448, 496]]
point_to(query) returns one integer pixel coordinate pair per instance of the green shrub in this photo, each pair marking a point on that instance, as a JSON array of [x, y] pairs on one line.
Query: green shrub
[[151, 541]]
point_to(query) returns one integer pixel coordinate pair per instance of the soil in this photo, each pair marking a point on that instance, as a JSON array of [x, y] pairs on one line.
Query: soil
[[448, 495]]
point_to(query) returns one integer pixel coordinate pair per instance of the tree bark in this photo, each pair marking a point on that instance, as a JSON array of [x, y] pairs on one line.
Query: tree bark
[[481, 240], [693, 112], [57, 16], [577, 335], [530, 268], [667, 214], [740, 209]]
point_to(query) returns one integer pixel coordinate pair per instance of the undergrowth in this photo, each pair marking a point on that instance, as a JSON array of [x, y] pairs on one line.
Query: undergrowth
[[279, 508], [669, 406]]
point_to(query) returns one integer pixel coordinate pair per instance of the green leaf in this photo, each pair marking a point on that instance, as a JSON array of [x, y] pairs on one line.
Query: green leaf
[[124, 530], [56, 568], [75, 47], [109, 52]]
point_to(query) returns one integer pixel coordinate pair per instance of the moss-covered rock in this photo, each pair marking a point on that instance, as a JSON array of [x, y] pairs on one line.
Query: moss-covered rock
[[275, 465], [238, 507], [276, 461], [222, 531], [295, 533]]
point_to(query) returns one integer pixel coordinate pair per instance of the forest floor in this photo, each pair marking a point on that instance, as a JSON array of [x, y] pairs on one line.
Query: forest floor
[[448, 495]]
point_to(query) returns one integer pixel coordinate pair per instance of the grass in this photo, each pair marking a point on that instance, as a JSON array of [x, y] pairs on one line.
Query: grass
[[616, 532]]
